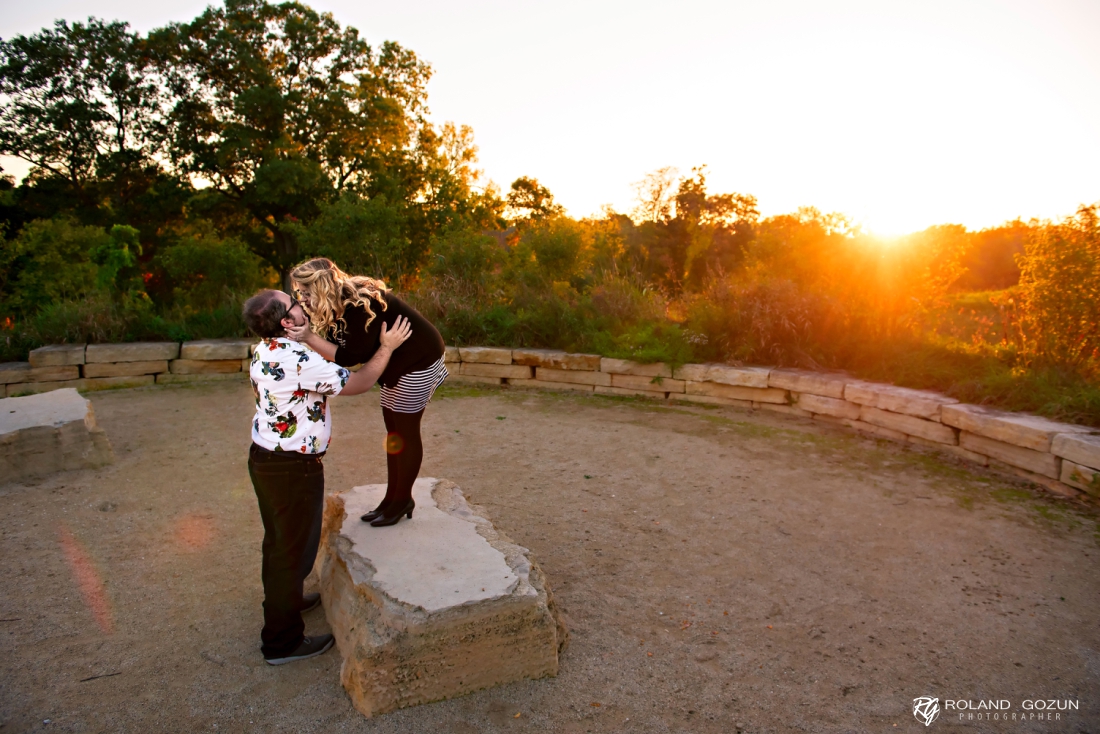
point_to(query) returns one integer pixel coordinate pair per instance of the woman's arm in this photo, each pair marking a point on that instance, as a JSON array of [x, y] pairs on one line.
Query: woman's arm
[[364, 379], [303, 335]]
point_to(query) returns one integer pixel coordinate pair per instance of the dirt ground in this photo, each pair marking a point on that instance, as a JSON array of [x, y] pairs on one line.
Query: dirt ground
[[719, 571]]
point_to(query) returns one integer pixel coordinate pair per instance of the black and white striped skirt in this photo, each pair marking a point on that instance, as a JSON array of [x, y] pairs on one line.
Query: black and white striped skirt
[[413, 391]]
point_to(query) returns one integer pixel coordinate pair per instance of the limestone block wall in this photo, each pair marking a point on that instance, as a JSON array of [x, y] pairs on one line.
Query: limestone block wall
[[1062, 457]]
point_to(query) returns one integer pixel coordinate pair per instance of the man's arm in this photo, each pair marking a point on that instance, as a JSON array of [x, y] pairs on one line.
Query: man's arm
[[364, 379]]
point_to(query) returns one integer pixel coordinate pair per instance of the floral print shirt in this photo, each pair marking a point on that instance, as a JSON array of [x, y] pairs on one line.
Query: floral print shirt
[[292, 384]]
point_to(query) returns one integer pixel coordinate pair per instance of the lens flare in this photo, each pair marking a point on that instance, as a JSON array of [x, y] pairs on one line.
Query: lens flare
[[394, 443], [87, 579], [194, 532]]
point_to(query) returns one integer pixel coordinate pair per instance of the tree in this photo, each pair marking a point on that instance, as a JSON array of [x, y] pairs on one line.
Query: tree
[[528, 200], [282, 110]]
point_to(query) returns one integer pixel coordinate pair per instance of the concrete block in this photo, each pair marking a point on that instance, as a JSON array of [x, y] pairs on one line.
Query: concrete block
[[578, 377], [125, 369], [547, 385], [1039, 462], [32, 388], [47, 433], [556, 359], [627, 367], [709, 400], [734, 392], [132, 352], [57, 355], [216, 349], [654, 384], [1018, 429], [14, 372], [1082, 477], [450, 354], [113, 383], [826, 406], [909, 425], [434, 607], [1080, 448], [460, 379], [510, 371], [601, 390], [784, 409], [814, 383], [166, 378], [486, 355], [204, 367], [920, 403]]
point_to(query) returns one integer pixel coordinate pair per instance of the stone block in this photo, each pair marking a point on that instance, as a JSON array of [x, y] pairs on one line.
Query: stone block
[[725, 374], [909, 425], [709, 400], [1018, 429], [434, 607], [654, 384], [1080, 448], [826, 406], [125, 369], [14, 372], [132, 352], [167, 378], [32, 388], [485, 355], [814, 383], [460, 379], [734, 392], [1040, 462], [627, 367], [47, 433], [204, 367], [216, 349], [516, 371], [877, 431], [57, 355], [450, 354], [626, 392], [547, 385], [53, 374], [556, 359], [114, 383], [1053, 485], [784, 409], [920, 403], [1082, 477], [575, 376]]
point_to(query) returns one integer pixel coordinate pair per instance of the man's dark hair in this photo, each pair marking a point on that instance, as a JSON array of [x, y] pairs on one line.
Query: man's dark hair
[[262, 314]]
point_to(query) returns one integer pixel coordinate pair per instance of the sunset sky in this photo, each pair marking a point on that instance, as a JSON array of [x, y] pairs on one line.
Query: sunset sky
[[900, 114]]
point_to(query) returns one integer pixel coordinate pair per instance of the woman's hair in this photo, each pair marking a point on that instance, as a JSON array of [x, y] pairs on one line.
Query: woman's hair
[[331, 290]]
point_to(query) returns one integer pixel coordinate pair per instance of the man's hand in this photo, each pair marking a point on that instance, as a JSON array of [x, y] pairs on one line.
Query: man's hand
[[396, 336], [299, 333]]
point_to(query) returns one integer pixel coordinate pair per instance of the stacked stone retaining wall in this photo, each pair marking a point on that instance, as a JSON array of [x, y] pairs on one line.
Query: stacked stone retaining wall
[[1062, 457]]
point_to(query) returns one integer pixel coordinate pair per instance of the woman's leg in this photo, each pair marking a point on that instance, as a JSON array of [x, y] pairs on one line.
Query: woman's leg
[[404, 453]]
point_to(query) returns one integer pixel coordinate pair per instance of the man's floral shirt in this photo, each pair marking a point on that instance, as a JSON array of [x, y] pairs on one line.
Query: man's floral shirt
[[292, 384]]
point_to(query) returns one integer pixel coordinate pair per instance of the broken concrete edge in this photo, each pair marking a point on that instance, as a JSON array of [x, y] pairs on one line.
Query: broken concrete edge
[[46, 433], [396, 613]]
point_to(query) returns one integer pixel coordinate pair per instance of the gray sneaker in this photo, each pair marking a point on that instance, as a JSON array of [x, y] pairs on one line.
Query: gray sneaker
[[310, 647]]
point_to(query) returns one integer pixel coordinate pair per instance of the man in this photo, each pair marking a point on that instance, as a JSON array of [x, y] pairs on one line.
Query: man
[[290, 435]]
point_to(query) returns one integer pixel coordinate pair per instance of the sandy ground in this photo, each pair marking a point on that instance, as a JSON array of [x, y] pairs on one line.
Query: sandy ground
[[719, 571]]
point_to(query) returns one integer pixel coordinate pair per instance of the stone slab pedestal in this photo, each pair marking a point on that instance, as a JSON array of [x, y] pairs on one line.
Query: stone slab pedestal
[[49, 432], [434, 607]]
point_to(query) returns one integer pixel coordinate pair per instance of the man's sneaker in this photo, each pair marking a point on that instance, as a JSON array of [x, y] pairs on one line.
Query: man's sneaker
[[310, 602], [310, 647]]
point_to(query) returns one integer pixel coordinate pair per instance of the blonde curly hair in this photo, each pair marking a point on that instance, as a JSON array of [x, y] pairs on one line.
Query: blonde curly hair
[[331, 290]]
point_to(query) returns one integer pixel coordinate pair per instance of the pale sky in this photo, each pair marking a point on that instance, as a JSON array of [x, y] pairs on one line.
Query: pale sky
[[899, 114]]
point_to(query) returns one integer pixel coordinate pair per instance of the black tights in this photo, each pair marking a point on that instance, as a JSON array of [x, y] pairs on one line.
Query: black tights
[[404, 453]]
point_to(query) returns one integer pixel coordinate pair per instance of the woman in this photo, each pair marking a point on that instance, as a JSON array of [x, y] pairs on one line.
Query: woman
[[346, 316]]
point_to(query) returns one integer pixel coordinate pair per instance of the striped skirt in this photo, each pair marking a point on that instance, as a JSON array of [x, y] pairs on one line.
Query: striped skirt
[[413, 391]]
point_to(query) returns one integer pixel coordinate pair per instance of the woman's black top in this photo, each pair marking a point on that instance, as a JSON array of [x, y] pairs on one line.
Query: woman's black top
[[356, 345]]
